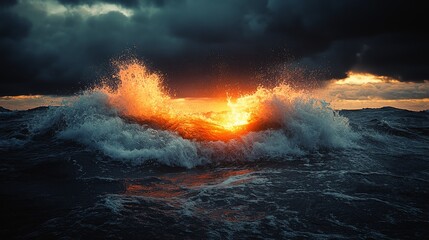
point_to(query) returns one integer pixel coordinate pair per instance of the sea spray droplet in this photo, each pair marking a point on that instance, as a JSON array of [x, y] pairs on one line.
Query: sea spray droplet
[[138, 121], [142, 97]]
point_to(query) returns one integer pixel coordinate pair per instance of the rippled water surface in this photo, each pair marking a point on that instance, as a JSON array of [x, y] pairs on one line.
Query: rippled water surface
[[71, 180]]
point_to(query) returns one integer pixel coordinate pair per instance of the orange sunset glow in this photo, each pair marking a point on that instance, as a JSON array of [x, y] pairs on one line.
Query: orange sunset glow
[[142, 96], [364, 90], [202, 119]]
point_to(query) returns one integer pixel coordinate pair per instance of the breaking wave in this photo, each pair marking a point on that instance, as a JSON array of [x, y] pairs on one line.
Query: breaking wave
[[137, 121]]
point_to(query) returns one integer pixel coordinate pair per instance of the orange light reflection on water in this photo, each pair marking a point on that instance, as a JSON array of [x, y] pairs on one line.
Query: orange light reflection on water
[[176, 190], [176, 185]]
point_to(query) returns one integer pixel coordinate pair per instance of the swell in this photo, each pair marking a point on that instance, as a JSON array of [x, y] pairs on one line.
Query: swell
[[392, 122]]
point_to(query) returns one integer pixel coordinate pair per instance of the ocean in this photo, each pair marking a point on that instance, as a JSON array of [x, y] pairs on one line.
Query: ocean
[[83, 171]]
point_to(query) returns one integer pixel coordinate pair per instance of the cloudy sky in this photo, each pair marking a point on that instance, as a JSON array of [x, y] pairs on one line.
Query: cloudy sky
[[58, 47]]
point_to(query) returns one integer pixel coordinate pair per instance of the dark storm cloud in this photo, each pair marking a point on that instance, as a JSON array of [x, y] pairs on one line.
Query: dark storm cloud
[[56, 47], [8, 2], [13, 26]]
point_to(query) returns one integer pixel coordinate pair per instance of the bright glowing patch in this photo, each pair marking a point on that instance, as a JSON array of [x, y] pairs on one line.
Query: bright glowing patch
[[236, 117], [103, 8], [141, 96], [364, 90], [362, 78], [86, 10], [359, 79]]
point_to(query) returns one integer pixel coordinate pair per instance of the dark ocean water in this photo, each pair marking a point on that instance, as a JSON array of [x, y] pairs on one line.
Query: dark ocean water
[[86, 173]]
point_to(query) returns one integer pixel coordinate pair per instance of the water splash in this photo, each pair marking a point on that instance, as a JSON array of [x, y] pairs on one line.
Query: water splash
[[138, 121], [142, 97]]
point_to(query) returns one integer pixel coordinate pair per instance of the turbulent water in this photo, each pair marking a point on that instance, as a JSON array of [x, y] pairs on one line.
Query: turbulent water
[[129, 161], [84, 170]]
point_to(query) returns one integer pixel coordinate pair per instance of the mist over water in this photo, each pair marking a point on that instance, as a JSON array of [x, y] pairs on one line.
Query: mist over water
[[127, 161]]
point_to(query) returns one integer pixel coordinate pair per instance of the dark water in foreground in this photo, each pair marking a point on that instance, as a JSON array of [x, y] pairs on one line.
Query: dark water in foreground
[[67, 180]]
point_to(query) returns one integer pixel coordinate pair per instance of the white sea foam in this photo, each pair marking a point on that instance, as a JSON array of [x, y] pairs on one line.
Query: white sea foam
[[306, 125]]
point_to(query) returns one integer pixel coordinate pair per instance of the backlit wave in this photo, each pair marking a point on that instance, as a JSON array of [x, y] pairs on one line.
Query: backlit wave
[[142, 96], [137, 121]]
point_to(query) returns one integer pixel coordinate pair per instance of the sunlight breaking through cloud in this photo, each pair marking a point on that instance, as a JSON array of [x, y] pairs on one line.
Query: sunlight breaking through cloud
[[86, 10], [362, 90]]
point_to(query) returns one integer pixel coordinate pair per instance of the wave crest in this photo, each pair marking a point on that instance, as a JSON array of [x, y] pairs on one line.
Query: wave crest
[[136, 123]]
